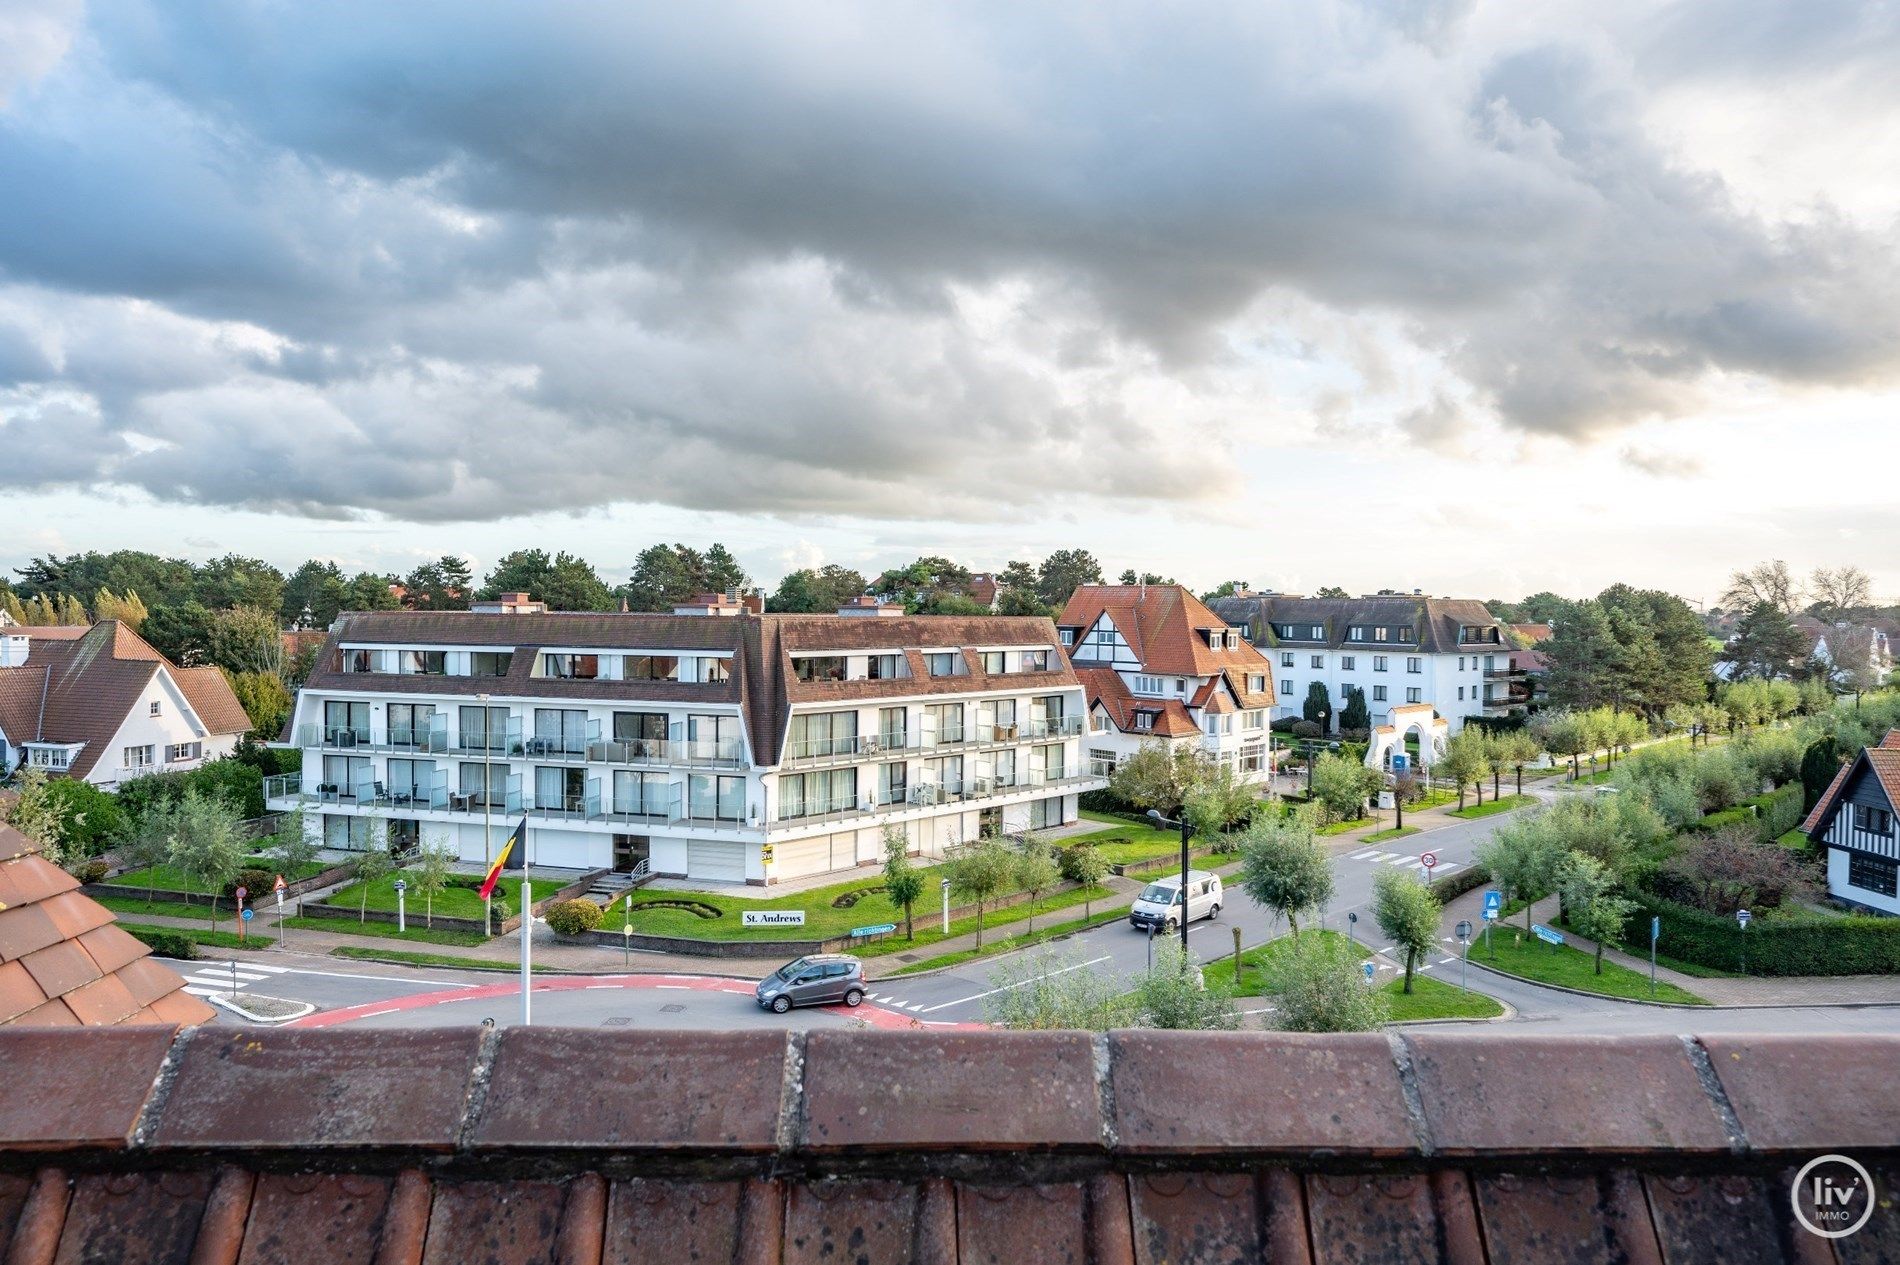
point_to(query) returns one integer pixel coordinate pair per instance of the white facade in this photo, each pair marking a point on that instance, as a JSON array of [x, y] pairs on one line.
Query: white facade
[[643, 777], [1863, 847], [1393, 675], [160, 732]]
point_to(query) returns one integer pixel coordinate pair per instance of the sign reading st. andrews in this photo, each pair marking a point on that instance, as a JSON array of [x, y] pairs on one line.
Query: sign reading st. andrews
[[772, 918]]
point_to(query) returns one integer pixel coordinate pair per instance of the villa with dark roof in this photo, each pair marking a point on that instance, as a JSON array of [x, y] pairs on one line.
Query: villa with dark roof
[[1855, 822], [102, 705], [716, 743]]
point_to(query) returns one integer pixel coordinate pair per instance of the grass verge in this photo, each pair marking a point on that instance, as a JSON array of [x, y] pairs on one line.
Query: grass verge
[[1434, 999], [1341, 827], [210, 939], [1006, 943], [165, 878], [1380, 836], [169, 909], [402, 957], [384, 931], [1263, 967], [1528, 958], [1491, 806]]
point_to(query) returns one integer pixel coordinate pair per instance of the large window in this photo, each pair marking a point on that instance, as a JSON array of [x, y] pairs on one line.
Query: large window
[[346, 834], [411, 724], [893, 783], [815, 794], [559, 731], [884, 667], [993, 661], [653, 667], [1879, 875], [943, 663], [1101, 762], [139, 757], [560, 790], [490, 662], [642, 794], [346, 724], [891, 728], [712, 798], [1035, 661], [1872, 820], [1045, 813], [1253, 758], [712, 671], [179, 751], [641, 733], [819, 667], [713, 737], [484, 784], [483, 728], [1147, 685], [944, 721], [412, 781], [823, 734], [421, 662], [572, 667], [345, 777]]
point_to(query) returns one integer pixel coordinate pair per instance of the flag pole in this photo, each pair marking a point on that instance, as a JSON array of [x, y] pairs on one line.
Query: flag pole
[[527, 932]]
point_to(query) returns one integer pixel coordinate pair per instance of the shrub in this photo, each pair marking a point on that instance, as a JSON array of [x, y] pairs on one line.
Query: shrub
[[93, 871], [92, 818], [1733, 869], [698, 908], [1785, 944], [1458, 882], [574, 917], [845, 900], [1324, 991], [171, 944], [254, 882], [1781, 811], [1306, 729]]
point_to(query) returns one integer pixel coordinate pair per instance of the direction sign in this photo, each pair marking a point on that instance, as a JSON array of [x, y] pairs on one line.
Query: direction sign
[[1399, 761], [1741, 916], [401, 885], [1545, 934], [877, 929], [1655, 930], [1368, 969]]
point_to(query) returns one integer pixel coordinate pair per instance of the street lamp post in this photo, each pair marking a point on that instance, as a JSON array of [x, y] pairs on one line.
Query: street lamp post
[[1187, 832], [488, 783]]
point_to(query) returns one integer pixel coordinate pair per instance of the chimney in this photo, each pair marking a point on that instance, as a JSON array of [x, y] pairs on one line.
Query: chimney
[[865, 604], [754, 603], [14, 648], [509, 604]]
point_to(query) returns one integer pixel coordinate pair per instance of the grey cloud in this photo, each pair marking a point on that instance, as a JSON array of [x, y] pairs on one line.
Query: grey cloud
[[724, 256], [1662, 465]]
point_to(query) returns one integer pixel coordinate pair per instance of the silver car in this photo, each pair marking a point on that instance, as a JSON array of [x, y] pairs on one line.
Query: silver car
[[818, 980]]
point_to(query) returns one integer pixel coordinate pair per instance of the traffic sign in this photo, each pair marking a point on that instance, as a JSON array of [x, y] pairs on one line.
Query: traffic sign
[[1368, 970], [279, 885], [1464, 930], [1399, 761], [1545, 934], [401, 886], [1655, 930], [876, 929], [247, 915], [242, 892], [1742, 916], [1493, 902], [1429, 860]]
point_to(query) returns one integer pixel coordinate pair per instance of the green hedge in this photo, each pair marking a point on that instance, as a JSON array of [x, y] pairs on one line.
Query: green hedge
[[1458, 883], [1784, 944], [170, 944]]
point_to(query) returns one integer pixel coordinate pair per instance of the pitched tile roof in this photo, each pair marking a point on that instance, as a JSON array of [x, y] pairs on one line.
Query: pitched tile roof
[[1162, 624], [63, 959], [1434, 621], [1170, 717], [756, 1146], [88, 684], [763, 683], [1881, 762]]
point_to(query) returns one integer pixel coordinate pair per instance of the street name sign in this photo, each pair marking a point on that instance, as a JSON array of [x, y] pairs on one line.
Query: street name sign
[[772, 918], [1545, 934], [877, 929]]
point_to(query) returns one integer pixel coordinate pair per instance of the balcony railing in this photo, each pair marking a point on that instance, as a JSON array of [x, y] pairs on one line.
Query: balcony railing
[[821, 806], [583, 807], [283, 786], [334, 737], [497, 803], [1500, 674]]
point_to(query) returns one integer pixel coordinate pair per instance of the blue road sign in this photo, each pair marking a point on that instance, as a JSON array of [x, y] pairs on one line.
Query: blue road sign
[[1545, 934], [1368, 969], [877, 930], [247, 915], [1492, 903], [1399, 761], [1655, 929]]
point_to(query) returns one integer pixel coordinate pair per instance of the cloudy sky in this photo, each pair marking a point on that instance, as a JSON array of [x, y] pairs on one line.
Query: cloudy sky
[[1474, 297]]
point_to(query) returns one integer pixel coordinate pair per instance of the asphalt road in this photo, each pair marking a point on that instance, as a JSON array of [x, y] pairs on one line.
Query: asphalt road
[[387, 996]]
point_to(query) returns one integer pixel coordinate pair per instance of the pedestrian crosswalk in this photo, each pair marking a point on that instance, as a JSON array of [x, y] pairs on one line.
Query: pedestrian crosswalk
[[219, 977], [1374, 856]]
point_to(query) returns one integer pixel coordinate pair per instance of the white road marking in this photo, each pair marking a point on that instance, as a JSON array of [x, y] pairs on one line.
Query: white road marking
[[388, 979], [1018, 984], [195, 991], [1360, 856]]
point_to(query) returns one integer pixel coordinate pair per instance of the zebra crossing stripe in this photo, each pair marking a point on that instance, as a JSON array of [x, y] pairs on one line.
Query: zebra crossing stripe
[[1360, 856], [200, 992]]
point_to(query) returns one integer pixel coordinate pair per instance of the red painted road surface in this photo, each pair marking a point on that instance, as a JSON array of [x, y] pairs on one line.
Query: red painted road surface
[[876, 1016]]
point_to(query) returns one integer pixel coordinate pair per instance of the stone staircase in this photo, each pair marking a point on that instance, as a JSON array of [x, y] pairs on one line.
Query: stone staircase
[[611, 886]]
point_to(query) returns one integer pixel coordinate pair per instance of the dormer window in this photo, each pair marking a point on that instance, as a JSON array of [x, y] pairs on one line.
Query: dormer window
[[1318, 632], [358, 661], [570, 667], [1144, 720], [1233, 639], [1066, 636], [993, 661], [1405, 632], [819, 667], [421, 662], [1355, 633], [1035, 661], [1380, 634]]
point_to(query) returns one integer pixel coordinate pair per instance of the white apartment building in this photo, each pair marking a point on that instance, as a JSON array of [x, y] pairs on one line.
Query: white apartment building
[[1449, 653], [100, 704], [716, 744], [1158, 666]]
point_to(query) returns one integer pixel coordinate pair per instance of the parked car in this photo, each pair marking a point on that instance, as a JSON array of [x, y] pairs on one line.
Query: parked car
[[1160, 904], [817, 980]]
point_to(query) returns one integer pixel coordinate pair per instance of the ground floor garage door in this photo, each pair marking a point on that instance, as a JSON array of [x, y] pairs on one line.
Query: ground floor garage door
[[716, 862], [796, 860]]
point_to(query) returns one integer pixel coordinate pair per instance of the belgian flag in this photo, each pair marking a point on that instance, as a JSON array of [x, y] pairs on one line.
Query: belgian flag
[[501, 858]]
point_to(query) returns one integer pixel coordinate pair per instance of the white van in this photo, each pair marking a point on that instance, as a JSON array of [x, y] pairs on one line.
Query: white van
[[1159, 904]]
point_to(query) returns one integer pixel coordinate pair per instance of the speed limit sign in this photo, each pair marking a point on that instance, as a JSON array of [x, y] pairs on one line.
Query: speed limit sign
[[1429, 860]]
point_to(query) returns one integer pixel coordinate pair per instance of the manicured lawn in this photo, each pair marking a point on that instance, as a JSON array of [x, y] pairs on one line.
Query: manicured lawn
[[212, 939], [1491, 806], [824, 921], [1434, 799], [451, 902], [1003, 944], [1518, 954], [417, 933], [165, 878], [1381, 836], [406, 958], [1794, 839], [168, 909], [1434, 999], [1341, 827]]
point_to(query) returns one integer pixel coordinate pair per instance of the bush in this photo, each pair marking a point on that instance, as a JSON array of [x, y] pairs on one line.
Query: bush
[[170, 944], [93, 817], [254, 882], [1073, 863], [1785, 944], [845, 900], [1284, 725], [1306, 729], [1458, 883], [1727, 817], [1781, 811], [1324, 991], [574, 917], [93, 871]]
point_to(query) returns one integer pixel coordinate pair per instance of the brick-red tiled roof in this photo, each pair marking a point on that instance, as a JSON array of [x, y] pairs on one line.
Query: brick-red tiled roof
[[1162, 624], [457, 1145], [64, 962], [1170, 717], [1881, 762]]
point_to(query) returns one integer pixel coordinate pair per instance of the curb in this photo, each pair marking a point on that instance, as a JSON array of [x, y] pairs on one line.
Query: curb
[[927, 972], [230, 1003], [1510, 1013], [1676, 1005]]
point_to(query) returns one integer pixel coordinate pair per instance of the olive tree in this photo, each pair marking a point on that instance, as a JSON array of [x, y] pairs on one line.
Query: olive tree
[[1283, 867], [372, 867], [429, 873], [1084, 863], [1408, 913], [1563, 733], [1034, 872], [982, 871], [1515, 749], [1323, 990], [207, 842], [1591, 904], [1341, 786], [1522, 861], [1044, 991], [903, 882], [1465, 760], [1173, 995]]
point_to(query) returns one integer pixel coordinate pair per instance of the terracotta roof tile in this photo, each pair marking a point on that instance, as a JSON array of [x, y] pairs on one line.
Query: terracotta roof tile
[[1825, 804], [1169, 716], [1361, 1148], [1890, 741], [49, 1014], [18, 992], [60, 968], [1162, 624], [105, 1000], [30, 884], [25, 929], [113, 950], [75, 913], [211, 696]]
